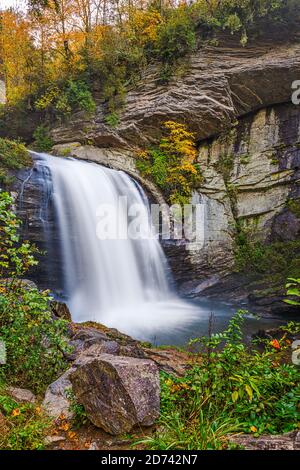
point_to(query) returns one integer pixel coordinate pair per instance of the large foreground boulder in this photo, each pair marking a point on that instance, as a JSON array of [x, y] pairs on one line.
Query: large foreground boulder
[[118, 392]]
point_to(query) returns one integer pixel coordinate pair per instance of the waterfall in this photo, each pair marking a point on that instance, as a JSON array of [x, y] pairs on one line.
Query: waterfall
[[121, 281]]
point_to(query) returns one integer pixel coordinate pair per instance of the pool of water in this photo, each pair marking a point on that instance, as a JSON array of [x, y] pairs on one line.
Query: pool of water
[[216, 314]]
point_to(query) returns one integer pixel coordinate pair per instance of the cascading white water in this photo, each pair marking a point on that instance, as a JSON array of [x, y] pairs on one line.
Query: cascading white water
[[119, 282]]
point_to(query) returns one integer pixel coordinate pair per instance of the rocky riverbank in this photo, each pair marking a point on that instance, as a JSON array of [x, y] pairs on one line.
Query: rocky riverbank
[[109, 396]]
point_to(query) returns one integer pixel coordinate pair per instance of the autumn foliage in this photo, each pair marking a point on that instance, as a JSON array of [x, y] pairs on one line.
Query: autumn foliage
[[172, 164]]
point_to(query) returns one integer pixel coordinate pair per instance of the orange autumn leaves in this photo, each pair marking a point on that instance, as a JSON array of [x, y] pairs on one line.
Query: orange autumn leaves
[[275, 344], [63, 425]]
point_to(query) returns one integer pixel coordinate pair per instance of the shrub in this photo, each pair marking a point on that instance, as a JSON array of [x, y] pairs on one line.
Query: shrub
[[62, 99], [258, 257], [172, 165], [231, 389], [13, 156], [112, 119], [42, 139], [176, 36], [35, 343]]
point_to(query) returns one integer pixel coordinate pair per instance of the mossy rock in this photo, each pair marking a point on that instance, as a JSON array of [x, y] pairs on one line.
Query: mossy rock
[[13, 156]]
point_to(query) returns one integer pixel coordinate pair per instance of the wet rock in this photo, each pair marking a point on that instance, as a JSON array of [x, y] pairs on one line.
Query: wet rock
[[61, 310], [90, 336], [118, 392], [21, 395], [285, 227]]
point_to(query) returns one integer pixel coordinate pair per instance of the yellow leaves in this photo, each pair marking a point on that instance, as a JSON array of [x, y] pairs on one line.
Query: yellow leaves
[[179, 141], [253, 429], [64, 427], [249, 391], [169, 382], [176, 387], [142, 154], [72, 435], [16, 412], [235, 396], [144, 25], [173, 166], [47, 98]]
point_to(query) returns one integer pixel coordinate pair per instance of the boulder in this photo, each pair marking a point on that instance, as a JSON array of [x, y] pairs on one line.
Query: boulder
[[56, 401], [21, 395], [118, 392], [288, 441]]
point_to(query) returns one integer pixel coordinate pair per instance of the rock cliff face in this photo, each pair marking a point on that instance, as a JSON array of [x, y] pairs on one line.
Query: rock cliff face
[[214, 88], [251, 181]]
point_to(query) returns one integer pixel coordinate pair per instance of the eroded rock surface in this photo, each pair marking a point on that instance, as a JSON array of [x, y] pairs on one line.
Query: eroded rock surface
[[218, 86], [118, 392]]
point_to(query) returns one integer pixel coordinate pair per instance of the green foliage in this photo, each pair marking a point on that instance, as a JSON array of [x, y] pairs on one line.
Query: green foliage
[[26, 425], [35, 343], [176, 36], [13, 156], [278, 257], [80, 416], [42, 139], [232, 389], [62, 99], [225, 166], [112, 119], [293, 290], [244, 18]]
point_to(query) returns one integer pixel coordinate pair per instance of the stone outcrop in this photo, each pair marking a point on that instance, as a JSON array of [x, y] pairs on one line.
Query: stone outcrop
[[217, 86], [21, 395], [250, 179], [288, 441], [118, 392], [57, 401]]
